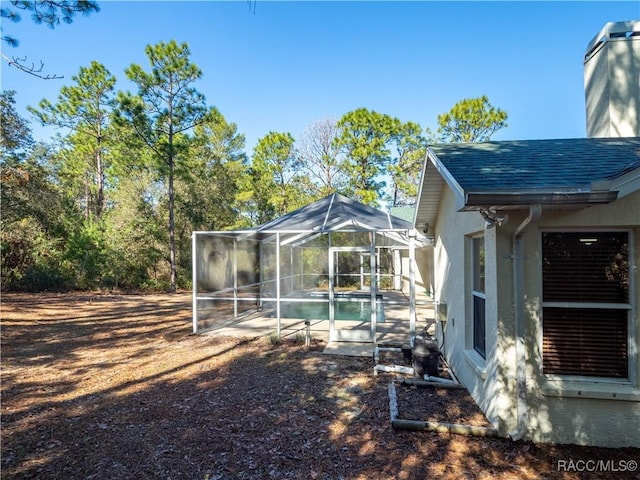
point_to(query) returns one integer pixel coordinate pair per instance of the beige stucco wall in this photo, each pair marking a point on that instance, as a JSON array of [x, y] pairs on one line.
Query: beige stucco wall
[[583, 412], [422, 273], [490, 381], [558, 411]]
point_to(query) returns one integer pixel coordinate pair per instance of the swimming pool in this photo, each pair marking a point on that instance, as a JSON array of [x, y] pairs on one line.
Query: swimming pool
[[348, 306]]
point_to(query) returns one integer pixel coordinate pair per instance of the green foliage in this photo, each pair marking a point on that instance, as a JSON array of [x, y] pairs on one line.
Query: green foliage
[[85, 253], [166, 104], [84, 106], [92, 210], [363, 139], [273, 185], [253, 195], [47, 12], [50, 12], [51, 193], [84, 109], [206, 197], [27, 191], [376, 145], [299, 338], [31, 208], [15, 134], [471, 120], [274, 166], [136, 236], [31, 259], [406, 167], [166, 108]]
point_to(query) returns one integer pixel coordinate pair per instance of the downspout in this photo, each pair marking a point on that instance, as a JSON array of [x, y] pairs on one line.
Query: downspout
[[535, 211]]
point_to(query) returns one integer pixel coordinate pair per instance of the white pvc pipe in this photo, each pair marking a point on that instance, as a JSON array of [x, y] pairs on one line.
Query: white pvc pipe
[[384, 349], [417, 382], [307, 337], [453, 375], [393, 369], [449, 369], [429, 378], [393, 402]]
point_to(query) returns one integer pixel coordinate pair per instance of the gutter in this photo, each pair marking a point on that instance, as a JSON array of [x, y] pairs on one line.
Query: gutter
[[578, 198], [535, 212]]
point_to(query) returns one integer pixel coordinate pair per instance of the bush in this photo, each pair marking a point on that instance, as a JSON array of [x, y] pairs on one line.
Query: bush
[[31, 260]]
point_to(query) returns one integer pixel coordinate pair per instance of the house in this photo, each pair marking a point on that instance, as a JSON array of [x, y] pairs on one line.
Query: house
[[535, 261]]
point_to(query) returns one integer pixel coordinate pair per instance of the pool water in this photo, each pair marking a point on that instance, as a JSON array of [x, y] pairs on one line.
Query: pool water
[[320, 311]]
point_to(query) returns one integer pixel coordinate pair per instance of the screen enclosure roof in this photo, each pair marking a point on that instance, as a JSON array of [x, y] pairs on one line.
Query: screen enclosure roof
[[333, 213]]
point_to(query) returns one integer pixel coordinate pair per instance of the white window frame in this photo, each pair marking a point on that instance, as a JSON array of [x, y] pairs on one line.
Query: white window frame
[[584, 386], [478, 289]]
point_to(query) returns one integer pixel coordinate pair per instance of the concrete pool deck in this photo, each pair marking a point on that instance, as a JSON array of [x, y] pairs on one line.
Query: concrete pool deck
[[394, 330]]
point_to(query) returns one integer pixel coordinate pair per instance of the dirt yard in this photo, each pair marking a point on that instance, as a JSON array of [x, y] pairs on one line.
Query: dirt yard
[[117, 387]]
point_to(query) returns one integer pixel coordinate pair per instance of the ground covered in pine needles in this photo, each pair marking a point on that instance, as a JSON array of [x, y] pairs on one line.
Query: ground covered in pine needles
[[116, 386]]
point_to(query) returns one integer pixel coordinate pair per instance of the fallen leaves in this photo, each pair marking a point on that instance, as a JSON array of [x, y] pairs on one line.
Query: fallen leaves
[[105, 387]]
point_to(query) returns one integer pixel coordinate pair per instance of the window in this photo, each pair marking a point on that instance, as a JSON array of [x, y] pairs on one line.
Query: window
[[585, 310], [478, 295]]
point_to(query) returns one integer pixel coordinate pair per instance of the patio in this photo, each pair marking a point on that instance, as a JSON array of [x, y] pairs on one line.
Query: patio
[[395, 330]]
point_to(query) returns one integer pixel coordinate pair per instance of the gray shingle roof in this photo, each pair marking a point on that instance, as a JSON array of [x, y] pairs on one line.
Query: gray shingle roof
[[336, 212], [538, 164]]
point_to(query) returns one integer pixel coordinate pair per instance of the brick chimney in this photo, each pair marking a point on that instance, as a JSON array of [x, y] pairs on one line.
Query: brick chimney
[[612, 81]]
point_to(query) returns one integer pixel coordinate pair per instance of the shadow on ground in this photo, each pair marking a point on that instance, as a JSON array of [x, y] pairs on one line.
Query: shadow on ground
[[117, 387]]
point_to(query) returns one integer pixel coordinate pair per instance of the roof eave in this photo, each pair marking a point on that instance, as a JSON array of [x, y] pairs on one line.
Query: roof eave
[[446, 175], [425, 215], [627, 183], [477, 200]]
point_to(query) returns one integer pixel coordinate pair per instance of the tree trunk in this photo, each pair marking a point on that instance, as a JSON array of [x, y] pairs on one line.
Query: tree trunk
[[99, 174], [87, 198], [172, 226]]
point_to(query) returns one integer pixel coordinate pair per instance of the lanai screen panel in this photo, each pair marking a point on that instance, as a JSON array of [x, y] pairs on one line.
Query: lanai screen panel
[[226, 277], [298, 266], [269, 269], [255, 271], [314, 263]]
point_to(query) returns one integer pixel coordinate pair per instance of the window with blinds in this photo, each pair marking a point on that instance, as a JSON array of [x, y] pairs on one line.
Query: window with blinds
[[479, 297], [585, 285]]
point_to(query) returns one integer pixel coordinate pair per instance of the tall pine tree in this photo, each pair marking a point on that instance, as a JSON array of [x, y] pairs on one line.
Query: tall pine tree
[[84, 109], [166, 108]]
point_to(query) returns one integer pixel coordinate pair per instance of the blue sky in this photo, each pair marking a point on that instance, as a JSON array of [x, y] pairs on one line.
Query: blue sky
[[280, 66]]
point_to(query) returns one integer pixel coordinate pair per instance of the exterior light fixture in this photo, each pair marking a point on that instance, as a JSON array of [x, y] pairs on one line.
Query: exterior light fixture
[[492, 218]]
